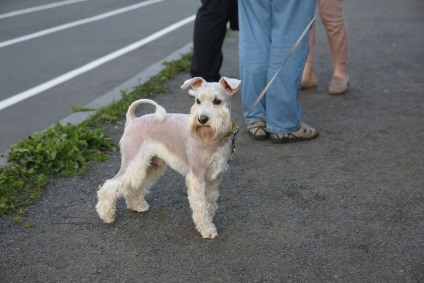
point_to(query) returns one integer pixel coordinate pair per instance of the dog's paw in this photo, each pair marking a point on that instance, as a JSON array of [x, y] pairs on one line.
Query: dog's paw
[[209, 233], [107, 215], [139, 208], [107, 218]]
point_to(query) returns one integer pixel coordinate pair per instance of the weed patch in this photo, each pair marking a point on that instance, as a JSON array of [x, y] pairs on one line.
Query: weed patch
[[61, 150], [18, 187]]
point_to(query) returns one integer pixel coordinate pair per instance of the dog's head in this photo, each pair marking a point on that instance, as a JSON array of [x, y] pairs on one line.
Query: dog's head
[[210, 115]]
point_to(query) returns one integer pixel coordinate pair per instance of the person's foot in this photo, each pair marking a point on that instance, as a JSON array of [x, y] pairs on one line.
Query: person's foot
[[338, 85], [257, 130], [305, 132], [308, 82]]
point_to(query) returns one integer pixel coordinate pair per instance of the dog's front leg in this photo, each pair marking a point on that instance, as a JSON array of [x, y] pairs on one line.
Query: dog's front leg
[[212, 194], [202, 217]]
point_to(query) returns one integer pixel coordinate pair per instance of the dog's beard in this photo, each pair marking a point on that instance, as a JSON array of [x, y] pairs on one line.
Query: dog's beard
[[205, 134], [208, 134]]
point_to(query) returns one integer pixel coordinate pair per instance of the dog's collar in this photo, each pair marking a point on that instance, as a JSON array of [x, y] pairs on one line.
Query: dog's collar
[[233, 128]]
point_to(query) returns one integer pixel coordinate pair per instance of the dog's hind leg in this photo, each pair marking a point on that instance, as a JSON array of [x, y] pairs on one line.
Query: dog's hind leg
[[135, 196], [110, 191], [107, 196], [198, 203]]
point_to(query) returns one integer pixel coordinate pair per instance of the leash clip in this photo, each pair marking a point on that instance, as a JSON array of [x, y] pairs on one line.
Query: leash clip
[[233, 141]]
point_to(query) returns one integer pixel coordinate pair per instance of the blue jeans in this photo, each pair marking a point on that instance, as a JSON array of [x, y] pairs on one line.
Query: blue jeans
[[268, 30]]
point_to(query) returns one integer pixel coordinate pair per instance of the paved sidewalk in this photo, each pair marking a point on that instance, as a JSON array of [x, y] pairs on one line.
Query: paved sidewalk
[[346, 207]]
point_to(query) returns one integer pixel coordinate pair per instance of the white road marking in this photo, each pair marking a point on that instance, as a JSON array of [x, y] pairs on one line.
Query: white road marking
[[94, 64], [77, 23], [39, 8]]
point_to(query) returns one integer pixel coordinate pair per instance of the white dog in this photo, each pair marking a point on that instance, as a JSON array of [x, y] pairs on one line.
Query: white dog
[[197, 145]]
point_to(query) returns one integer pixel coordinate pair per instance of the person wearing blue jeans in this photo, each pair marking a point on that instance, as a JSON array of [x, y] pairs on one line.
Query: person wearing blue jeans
[[268, 30]]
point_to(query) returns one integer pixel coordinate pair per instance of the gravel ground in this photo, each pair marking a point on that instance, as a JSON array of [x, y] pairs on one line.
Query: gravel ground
[[346, 207]]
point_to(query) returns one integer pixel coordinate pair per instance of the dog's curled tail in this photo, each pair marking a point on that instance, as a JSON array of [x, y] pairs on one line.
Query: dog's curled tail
[[159, 113]]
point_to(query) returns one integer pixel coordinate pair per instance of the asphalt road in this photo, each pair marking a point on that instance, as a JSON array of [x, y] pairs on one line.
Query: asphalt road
[[58, 54], [345, 207]]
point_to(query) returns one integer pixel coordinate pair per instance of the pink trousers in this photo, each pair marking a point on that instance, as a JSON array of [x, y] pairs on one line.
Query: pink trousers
[[333, 20]]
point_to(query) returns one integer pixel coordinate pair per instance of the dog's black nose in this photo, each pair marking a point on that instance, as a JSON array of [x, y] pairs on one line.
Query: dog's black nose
[[203, 119]]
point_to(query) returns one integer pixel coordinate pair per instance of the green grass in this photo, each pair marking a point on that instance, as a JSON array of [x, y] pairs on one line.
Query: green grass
[[77, 108], [68, 150], [61, 150], [19, 187]]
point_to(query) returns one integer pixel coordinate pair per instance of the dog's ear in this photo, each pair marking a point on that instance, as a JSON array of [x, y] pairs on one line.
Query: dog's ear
[[230, 85], [194, 82], [192, 92]]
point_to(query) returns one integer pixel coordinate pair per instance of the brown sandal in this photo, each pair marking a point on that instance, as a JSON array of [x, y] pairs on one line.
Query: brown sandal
[[305, 132], [257, 130]]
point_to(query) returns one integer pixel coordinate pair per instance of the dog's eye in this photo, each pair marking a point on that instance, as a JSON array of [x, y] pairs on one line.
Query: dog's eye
[[197, 101], [216, 101]]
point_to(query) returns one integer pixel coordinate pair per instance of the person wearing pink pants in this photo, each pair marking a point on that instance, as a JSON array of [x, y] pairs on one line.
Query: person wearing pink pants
[[332, 17]]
